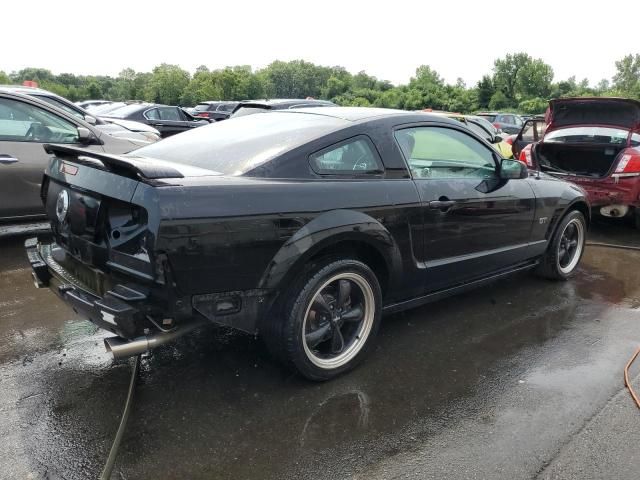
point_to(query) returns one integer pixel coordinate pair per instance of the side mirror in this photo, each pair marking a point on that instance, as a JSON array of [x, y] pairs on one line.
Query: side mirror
[[497, 139], [90, 120], [512, 170], [87, 137]]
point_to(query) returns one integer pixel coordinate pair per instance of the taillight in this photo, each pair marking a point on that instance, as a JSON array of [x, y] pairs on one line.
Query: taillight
[[629, 163], [509, 140], [497, 125], [525, 156], [203, 114]]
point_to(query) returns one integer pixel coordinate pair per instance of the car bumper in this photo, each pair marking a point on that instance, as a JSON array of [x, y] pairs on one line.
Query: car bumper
[[615, 190], [125, 309], [112, 311]]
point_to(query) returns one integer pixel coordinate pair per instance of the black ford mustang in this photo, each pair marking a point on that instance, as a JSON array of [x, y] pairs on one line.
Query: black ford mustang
[[302, 226]]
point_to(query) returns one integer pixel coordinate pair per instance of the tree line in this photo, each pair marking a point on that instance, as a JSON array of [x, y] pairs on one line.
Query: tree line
[[516, 82]]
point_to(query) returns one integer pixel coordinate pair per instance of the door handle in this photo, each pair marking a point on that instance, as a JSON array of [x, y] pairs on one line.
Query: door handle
[[7, 159], [439, 204]]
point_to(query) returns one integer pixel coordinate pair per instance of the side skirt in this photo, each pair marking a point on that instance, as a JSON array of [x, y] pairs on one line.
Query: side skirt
[[435, 296]]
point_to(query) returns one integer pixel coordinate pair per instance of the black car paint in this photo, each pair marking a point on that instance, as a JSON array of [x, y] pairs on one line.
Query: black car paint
[[246, 238], [165, 127]]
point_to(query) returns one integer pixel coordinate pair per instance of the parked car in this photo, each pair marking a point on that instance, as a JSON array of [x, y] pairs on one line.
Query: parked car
[[532, 131], [214, 110], [26, 124], [118, 128], [507, 122], [249, 107], [301, 226], [484, 129], [167, 119], [594, 143]]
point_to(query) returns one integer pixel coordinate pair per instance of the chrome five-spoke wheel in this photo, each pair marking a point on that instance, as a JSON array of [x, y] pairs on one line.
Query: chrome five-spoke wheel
[[571, 245], [338, 320]]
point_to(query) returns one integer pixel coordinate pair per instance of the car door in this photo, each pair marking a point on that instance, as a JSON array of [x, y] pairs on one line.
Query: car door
[[474, 222], [173, 121], [24, 128]]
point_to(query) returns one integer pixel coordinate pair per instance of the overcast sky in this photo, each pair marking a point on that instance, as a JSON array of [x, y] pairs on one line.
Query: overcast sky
[[389, 39]]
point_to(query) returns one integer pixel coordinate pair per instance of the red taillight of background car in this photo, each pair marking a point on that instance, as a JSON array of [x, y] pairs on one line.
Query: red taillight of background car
[[629, 163], [525, 156], [203, 114], [509, 140], [496, 125]]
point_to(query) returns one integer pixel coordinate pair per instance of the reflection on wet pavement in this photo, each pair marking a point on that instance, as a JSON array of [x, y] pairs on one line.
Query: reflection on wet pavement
[[492, 382]]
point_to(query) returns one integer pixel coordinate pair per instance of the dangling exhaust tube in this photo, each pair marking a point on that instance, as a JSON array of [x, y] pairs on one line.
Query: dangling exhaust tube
[[122, 348]]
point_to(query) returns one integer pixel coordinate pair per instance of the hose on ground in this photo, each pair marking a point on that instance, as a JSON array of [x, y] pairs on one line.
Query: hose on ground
[[627, 383], [612, 245], [113, 453]]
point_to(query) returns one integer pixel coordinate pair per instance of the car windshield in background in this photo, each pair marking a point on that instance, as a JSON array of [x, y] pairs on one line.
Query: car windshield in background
[[201, 107], [225, 146], [243, 111], [484, 123], [125, 111], [490, 118], [59, 104], [600, 135]]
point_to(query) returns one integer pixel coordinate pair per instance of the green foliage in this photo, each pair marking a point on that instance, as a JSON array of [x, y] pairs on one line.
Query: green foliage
[[533, 105], [499, 101], [627, 78], [518, 82], [166, 84]]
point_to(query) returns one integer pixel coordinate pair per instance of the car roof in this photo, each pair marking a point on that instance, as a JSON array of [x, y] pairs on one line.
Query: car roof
[[357, 114], [27, 90], [285, 101]]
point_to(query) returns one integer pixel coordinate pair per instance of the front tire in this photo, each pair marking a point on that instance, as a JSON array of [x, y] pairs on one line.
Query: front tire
[[329, 318], [566, 248]]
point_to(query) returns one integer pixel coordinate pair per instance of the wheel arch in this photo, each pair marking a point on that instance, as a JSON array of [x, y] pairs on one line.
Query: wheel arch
[[338, 233]]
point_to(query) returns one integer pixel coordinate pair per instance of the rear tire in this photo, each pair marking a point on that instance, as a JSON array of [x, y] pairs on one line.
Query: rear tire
[[327, 319], [566, 248]]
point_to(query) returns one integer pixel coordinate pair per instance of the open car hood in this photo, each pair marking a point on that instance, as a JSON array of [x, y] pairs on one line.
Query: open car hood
[[619, 112]]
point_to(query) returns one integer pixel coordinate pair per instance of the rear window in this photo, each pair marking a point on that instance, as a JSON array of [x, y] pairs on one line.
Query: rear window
[[238, 145], [491, 118], [202, 107], [124, 111], [607, 135]]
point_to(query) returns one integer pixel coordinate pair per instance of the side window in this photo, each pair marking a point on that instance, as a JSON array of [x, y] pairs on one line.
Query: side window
[[438, 152], [152, 114], [169, 113], [481, 132], [351, 157], [23, 122]]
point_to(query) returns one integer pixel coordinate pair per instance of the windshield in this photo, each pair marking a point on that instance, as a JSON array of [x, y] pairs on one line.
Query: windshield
[[57, 103], [238, 145], [607, 135], [201, 107], [125, 111], [488, 116]]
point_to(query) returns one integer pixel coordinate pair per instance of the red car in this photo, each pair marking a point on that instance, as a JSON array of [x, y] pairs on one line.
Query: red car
[[595, 143]]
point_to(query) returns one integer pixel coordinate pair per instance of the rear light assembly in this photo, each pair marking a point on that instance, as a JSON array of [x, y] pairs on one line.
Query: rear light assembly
[[525, 156], [509, 140], [203, 114], [629, 163]]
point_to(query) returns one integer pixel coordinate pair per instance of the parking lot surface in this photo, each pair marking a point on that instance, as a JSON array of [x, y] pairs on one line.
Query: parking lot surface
[[519, 379]]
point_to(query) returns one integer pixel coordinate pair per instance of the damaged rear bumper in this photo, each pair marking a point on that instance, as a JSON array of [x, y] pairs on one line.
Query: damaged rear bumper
[[114, 311]]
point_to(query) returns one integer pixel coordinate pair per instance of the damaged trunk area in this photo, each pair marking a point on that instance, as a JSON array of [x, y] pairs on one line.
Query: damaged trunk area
[[584, 160]]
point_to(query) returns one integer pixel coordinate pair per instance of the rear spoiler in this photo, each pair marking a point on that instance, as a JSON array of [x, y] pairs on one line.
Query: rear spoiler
[[130, 167]]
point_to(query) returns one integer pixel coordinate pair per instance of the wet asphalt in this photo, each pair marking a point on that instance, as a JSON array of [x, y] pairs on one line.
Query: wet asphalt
[[519, 379]]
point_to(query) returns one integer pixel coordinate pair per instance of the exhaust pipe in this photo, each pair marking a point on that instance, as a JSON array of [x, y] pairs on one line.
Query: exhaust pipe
[[122, 348]]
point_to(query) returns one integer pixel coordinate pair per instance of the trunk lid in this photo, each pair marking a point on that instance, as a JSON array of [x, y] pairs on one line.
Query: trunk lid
[[618, 112]]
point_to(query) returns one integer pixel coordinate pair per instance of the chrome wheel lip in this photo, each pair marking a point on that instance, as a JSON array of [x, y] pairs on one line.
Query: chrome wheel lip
[[364, 328], [567, 269]]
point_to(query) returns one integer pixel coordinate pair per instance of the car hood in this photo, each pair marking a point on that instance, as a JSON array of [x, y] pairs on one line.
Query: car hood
[[131, 125], [619, 112]]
